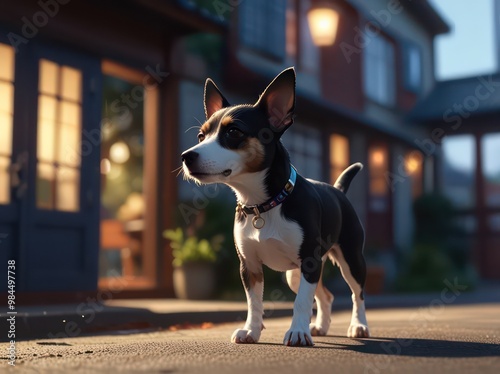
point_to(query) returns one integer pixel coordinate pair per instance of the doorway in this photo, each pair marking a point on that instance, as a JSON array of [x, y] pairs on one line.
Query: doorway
[[128, 217]]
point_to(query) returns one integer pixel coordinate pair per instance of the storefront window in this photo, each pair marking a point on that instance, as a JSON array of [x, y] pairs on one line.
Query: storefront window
[[339, 155], [378, 162]]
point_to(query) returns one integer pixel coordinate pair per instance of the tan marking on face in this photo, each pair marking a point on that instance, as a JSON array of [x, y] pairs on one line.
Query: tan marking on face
[[253, 155], [226, 120], [254, 278], [205, 128]]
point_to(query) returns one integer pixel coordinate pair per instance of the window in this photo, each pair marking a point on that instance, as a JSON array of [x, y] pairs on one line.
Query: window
[[300, 48], [490, 146], [378, 163], [412, 68], [413, 168], [304, 145], [339, 156], [459, 165], [262, 26], [379, 71], [59, 137], [6, 116]]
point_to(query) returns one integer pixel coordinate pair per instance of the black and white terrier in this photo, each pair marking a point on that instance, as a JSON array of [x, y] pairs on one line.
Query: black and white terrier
[[283, 220]]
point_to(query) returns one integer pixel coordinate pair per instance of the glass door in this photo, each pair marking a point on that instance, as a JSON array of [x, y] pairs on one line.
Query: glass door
[[128, 178]]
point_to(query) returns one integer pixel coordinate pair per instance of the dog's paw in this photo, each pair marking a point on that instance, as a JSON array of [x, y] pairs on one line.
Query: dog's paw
[[298, 338], [241, 336], [318, 330], [358, 331]]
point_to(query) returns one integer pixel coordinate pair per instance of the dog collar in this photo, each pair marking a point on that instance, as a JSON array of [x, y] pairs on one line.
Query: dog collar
[[258, 222]]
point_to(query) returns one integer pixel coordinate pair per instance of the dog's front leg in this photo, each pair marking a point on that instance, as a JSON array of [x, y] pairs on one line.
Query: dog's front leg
[[253, 280], [299, 333]]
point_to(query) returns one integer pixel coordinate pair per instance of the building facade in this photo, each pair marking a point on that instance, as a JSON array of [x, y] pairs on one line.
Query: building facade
[[96, 98]]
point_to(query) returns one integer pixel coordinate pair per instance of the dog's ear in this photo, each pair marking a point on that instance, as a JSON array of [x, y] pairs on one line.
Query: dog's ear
[[214, 100], [278, 100]]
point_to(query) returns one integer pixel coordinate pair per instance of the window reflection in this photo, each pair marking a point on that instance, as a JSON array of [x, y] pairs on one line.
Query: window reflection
[[491, 168], [459, 169], [122, 159]]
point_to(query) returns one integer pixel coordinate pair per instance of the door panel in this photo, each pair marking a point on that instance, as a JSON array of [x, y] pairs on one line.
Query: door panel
[[50, 100], [63, 206]]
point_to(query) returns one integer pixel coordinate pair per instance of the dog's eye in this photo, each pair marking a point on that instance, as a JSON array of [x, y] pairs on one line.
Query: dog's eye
[[235, 133], [201, 137]]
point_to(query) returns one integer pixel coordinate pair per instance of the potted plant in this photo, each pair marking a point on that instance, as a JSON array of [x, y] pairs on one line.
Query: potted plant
[[194, 271]]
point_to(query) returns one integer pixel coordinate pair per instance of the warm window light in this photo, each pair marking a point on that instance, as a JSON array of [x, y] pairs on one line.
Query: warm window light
[[413, 162], [378, 158], [323, 21], [119, 153]]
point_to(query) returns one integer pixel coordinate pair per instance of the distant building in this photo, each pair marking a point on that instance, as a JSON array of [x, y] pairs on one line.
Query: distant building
[[462, 118]]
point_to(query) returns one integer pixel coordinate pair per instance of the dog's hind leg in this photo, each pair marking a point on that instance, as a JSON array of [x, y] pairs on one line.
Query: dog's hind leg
[[353, 269]]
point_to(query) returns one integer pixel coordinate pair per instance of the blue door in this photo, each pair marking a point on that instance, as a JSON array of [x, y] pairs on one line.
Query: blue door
[[49, 216]]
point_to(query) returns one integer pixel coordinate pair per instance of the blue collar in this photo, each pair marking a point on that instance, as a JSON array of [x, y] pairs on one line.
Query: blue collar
[[258, 222]]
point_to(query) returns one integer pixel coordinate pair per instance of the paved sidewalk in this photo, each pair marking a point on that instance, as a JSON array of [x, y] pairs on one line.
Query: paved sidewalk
[[439, 338], [90, 317]]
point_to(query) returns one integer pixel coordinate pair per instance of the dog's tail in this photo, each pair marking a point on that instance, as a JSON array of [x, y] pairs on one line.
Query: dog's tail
[[344, 180]]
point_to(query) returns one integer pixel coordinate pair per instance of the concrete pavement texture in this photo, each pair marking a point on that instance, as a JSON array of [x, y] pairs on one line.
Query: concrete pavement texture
[[437, 338]]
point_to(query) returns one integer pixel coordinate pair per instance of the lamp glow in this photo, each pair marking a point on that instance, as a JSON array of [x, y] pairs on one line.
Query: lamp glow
[[323, 22], [119, 153]]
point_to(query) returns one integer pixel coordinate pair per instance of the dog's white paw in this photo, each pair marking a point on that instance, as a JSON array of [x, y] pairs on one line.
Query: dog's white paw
[[298, 338], [318, 330], [242, 336], [358, 330]]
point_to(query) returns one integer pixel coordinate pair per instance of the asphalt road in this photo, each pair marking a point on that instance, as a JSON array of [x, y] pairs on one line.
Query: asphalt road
[[439, 338]]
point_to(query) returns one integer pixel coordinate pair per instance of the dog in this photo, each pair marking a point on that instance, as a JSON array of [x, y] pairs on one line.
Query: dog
[[282, 220]]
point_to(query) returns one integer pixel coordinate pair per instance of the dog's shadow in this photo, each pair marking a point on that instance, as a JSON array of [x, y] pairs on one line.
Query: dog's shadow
[[413, 347]]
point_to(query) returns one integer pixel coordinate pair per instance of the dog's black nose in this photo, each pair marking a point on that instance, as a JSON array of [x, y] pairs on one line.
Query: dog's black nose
[[189, 157]]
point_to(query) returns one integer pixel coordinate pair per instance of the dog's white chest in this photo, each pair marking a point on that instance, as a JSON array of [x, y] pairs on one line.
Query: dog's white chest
[[276, 244]]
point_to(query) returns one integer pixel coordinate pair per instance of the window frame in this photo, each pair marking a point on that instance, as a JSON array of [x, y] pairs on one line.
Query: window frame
[[410, 84], [374, 69], [270, 15]]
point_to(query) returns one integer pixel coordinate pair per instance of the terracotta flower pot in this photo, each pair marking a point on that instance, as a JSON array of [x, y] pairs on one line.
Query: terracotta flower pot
[[375, 278], [194, 281]]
